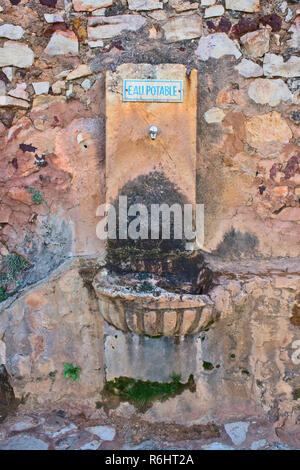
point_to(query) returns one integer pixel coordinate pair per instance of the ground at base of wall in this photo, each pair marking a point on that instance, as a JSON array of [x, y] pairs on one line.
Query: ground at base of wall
[[60, 430]]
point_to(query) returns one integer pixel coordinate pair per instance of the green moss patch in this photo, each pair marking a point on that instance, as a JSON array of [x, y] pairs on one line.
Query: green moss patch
[[11, 266], [142, 393], [296, 394], [208, 365]]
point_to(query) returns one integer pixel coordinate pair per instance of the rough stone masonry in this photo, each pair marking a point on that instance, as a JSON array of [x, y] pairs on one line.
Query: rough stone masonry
[[54, 56]]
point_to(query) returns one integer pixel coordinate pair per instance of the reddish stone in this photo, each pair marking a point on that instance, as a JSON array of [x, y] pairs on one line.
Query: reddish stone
[[272, 20], [281, 190], [244, 26], [54, 27], [292, 167], [49, 3], [224, 26], [276, 167], [20, 195]]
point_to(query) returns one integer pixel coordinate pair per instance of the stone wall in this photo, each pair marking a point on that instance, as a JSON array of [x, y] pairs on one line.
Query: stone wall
[[53, 57]]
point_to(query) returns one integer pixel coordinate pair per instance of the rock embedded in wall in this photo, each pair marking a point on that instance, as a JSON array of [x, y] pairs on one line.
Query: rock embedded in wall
[[61, 43], [82, 70], [183, 28], [256, 43], [19, 91], [16, 54], [111, 26], [216, 10], [216, 46], [10, 31], [248, 68], [90, 5], [207, 3], [8, 102], [294, 41], [54, 17], [271, 92], [274, 66], [181, 5], [41, 88], [268, 132], [249, 6], [142, 5], [214, 115]]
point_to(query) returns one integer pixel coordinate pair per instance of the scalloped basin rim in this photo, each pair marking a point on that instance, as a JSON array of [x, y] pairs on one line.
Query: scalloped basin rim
[[122, 292], [168, 314]]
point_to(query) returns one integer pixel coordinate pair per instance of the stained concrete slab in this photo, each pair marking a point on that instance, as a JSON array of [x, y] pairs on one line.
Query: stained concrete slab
[[146, 358]]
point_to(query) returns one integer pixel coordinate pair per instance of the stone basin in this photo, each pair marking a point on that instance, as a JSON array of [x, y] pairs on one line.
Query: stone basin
[[128, 305]]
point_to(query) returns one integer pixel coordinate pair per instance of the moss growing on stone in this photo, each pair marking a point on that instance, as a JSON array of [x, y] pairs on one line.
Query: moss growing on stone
[[208, 365], [11, 266], [36, 196], [210, 323], [142, 393], [296, 394]]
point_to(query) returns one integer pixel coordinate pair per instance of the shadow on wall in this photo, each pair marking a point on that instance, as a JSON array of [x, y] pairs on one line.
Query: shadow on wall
[[236, 244], [8, 402], [153, 188]]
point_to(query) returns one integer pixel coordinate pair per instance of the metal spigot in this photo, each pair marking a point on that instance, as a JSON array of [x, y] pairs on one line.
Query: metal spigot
[[153, 130]]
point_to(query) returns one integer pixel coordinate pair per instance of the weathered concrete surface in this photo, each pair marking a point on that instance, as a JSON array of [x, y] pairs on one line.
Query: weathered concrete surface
[[246, 174], [56, 321], [130, 152]]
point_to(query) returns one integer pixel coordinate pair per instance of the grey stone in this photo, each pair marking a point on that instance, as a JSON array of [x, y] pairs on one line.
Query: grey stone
[[217, 446], [283, 7], [242, 5], [66, 442], [215, 46], [214, 115], [61, 43], [237, 431], [10, 31], [23, 425], [93, 445], [86, 84], [259, 444], [16, 54], [41, 88], [289, 15], [181, 28], [102, 27], [274, 66], [53, 18], [106, 433], [10, 102], [64, 430], [24, 442], [272, 92], [248, 68], [215, 10], [294, 41], [279, 446], [140, 5], [94, 44]]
